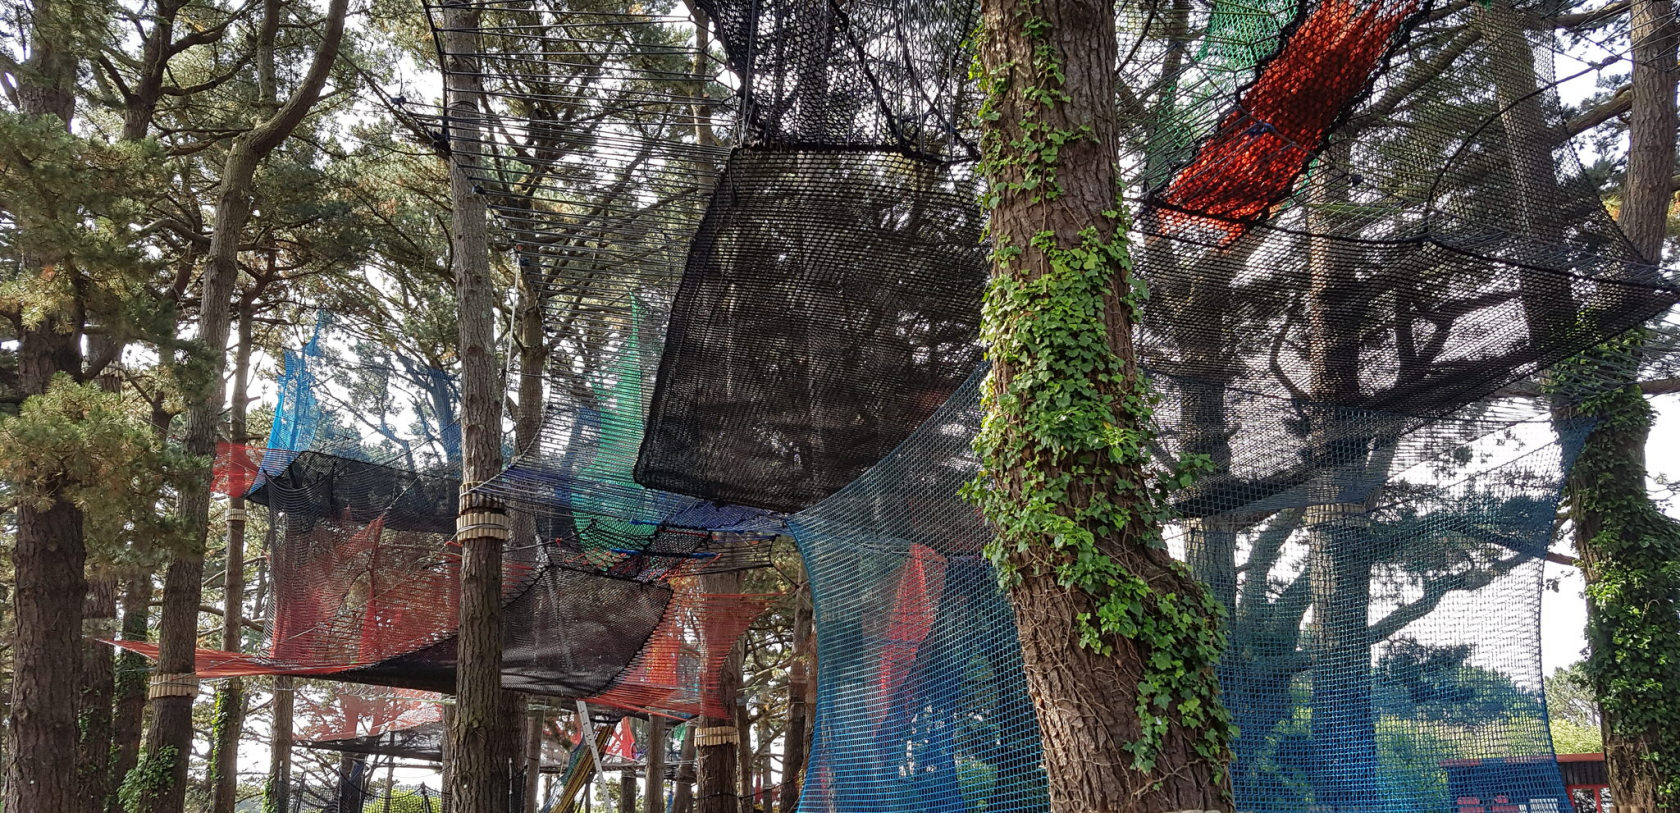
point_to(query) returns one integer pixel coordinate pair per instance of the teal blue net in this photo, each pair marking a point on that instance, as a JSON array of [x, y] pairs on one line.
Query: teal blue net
[[1367, 237]]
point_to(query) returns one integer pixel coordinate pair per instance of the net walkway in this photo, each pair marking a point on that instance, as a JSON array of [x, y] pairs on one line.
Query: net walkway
[[755, 238]]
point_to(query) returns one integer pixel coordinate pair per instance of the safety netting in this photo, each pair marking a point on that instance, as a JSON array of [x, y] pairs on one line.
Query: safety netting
[[755, 238], [1363, 225], [368, 719], [360, 480]]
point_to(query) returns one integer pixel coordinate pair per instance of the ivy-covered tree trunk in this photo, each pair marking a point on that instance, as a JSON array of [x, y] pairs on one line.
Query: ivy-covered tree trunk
[[1628, 547], [479, 733], [230, 695], [128, 715], [48, 553], [1119, 642], [158, 783]]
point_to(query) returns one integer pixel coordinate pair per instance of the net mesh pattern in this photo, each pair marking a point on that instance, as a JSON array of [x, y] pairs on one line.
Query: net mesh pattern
[[815, 278], [365, 570], [1361, 695], [1364, 228]]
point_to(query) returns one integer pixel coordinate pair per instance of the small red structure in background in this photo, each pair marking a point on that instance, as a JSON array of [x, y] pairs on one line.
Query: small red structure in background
[[1509, 784], [1587, 781]]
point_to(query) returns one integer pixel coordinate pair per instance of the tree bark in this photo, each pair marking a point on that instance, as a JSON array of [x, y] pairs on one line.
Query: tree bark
[[130, 691], [49, 551], [654, 789], [627, 791], [1546, 298], [717, 738], [163, 769], [743, 728], [277, 790], [93, 765], [478, 734], [533, 757], [796, 738], [230, 699], [1618, 530], [446, 771], [682, 798], [1048, 67], [1339, 564], [352, 782], [99, 624]]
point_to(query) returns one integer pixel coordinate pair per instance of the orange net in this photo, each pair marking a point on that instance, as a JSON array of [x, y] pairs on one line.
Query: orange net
[[1252, 161], [676, 671]]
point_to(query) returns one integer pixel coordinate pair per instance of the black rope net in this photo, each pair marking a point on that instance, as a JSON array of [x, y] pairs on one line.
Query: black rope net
[[1367, 235]]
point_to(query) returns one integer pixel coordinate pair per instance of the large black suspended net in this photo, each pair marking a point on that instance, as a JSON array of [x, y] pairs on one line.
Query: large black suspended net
[[1366, 233]]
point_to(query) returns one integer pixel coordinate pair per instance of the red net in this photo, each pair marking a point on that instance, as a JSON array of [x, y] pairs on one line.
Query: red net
[[235, 468], [349, 595], [915, 604], [1252, 161], [677, 669], [344, 711], [238, 468]]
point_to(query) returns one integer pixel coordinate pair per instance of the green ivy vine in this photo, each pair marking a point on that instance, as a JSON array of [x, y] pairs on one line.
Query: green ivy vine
[[1067, 435], [149, 778], [272, 798], [1634, 584], [222, 720]]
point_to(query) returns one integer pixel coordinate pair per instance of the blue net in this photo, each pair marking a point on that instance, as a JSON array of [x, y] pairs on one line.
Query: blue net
[[1366, 236], [921, 701], [1380, 707], [342, 395]]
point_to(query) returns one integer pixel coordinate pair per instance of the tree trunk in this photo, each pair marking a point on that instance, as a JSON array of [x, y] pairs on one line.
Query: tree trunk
[[533, 757], [627, 792], [446, 771], [162, 774], [130, 689], [278, 787], [93, 759], [743, 728], [682, 798], [1627, 546], [716, 739], [1546, 299], [654, 790], [49, 555], [797, 736], [1624, 541], [163, 767], [352, 782], [1062, 302], [99, 624], [48, 561], [1339, 562], [479, 755], [230, 696]]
